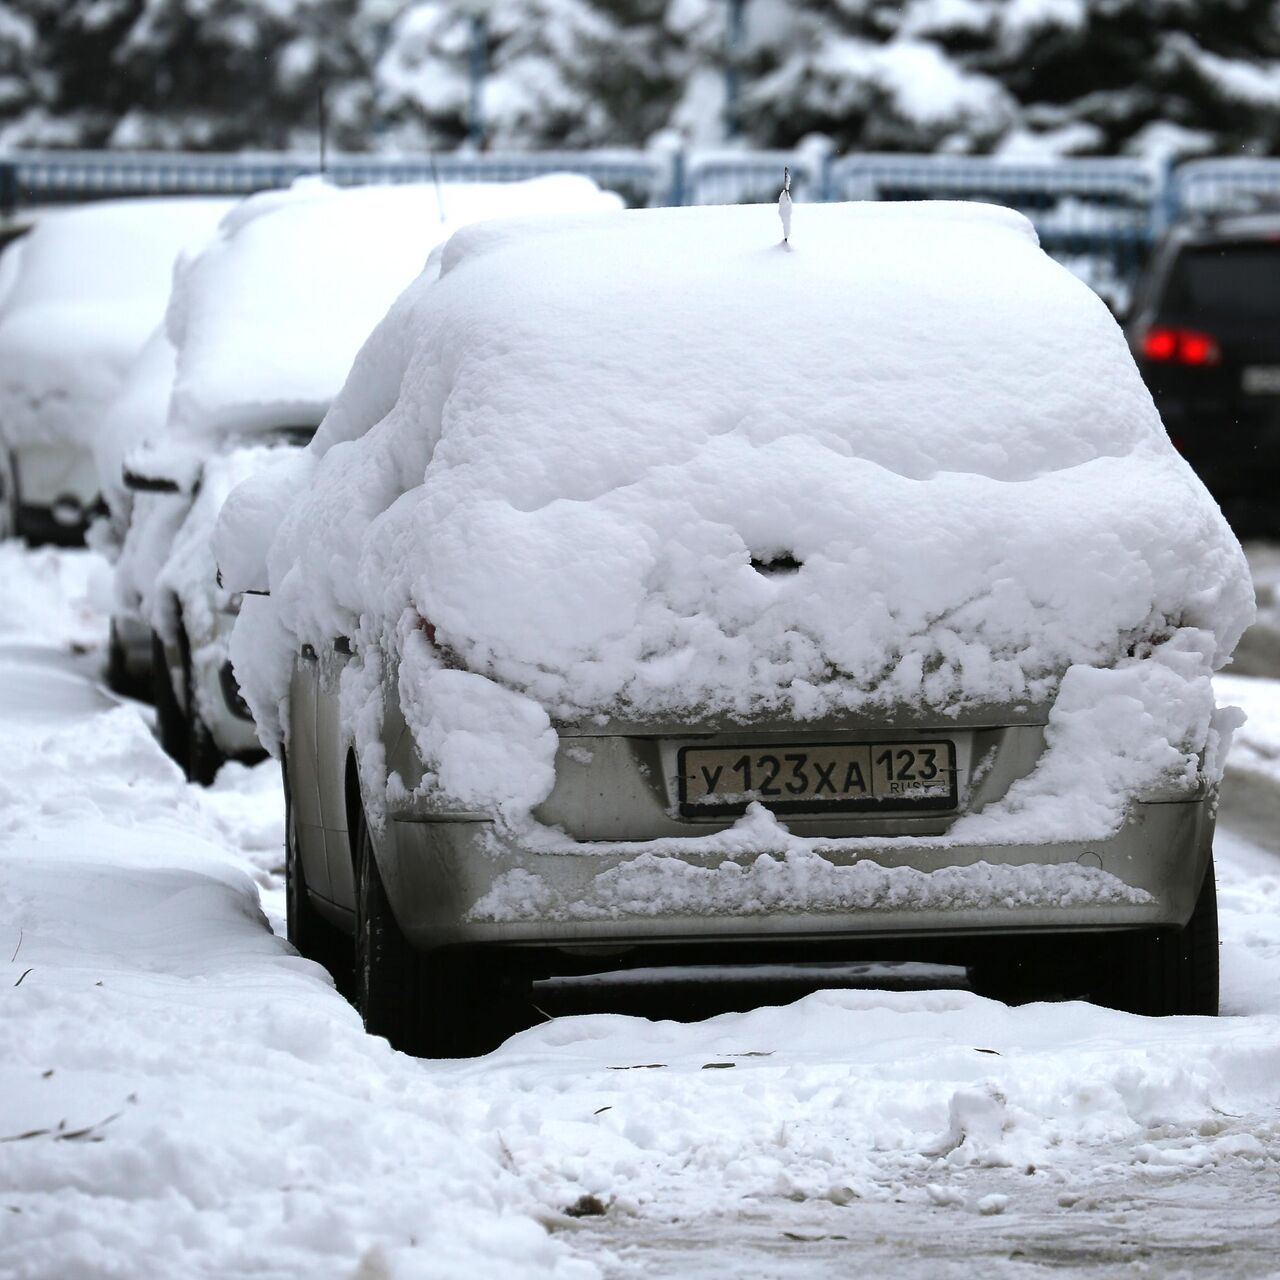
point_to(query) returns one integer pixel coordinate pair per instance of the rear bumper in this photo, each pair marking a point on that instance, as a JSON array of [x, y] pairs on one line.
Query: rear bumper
[[461, 882]]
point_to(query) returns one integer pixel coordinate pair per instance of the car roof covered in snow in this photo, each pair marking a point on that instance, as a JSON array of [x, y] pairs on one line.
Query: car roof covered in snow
[[267, 320], [925, 337], [86, 287]]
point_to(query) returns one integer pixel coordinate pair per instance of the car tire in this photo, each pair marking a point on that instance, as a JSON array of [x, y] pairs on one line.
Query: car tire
[[1166, 971], [171, 724], [436, 1004], [311, 935], [8, 496], [204, 757], [120, 679], [117, 667]]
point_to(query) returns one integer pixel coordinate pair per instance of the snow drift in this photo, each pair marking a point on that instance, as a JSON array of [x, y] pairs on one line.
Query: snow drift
[[654, 464]]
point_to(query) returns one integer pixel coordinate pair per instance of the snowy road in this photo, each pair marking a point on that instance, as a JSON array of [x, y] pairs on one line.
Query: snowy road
[[181, 1096]]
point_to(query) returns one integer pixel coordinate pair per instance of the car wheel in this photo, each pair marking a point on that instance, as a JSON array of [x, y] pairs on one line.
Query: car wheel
[[117, 668], [312, 936], [171, 724], [1166, 971], [436, 1004], [8, 497], [204, 757]]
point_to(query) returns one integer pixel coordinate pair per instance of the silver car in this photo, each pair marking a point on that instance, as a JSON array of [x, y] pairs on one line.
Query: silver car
[[440, 972], [940, 635]]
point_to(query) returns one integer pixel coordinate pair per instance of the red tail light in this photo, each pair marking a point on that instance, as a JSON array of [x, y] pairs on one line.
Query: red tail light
[[1198, 348], [1181, 346]]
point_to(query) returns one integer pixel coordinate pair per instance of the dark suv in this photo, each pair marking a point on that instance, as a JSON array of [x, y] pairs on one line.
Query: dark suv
[[1205, 330]]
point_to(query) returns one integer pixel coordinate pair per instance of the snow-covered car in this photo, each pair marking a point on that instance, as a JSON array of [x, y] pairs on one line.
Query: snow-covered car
[[263, 326], [87, 286], [653, 584]]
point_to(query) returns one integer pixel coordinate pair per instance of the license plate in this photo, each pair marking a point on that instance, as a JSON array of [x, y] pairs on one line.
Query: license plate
[[1261, 380], [818, 777]]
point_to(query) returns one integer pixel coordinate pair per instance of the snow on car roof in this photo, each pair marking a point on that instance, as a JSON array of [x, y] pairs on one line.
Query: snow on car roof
[[89, 285], [655, 463], [267, 319]]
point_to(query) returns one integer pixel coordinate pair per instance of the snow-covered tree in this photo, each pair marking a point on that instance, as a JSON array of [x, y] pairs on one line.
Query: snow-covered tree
[[1064, 76], [1043, 76], [557, 72], [190, 73], [868, 74]]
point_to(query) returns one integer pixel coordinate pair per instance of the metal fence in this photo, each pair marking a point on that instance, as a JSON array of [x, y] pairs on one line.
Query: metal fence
[[44, 178], [1100, 216], [1206, 187]]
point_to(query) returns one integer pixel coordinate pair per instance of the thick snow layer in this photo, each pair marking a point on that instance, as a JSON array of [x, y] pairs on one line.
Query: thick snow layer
[[264, 325], [267, 320], [182, 1096], [92, 284], [578, 452]]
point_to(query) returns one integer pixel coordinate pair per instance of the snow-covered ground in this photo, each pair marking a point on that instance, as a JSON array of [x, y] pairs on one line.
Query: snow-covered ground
[[181, 1096]]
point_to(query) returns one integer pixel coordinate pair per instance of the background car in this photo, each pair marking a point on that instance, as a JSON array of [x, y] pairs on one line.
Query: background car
[[1205, 331], [657, 586], [88, 286], [264, 324]]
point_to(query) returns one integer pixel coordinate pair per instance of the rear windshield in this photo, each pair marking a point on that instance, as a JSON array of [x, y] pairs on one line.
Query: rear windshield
[[1239, 280]]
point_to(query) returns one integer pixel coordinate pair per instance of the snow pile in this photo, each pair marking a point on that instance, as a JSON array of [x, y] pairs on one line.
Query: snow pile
[[867, 1096], [180, 1094], [592, 455], [54, 597], [91, 285]]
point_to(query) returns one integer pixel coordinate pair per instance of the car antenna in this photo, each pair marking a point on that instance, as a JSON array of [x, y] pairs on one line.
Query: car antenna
[[435, 178], [784, 206]]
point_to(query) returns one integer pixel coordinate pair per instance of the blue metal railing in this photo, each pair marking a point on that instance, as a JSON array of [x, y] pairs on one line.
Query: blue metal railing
[[38, 178], [1100, 216], [1222, 186]]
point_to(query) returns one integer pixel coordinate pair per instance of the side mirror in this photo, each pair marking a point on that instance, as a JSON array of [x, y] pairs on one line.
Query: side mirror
[[136, 482]]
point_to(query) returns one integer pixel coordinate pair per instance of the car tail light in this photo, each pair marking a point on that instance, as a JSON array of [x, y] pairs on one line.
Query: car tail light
[[1197, 348], [1160, 344], [1181, 346], [428, 629]]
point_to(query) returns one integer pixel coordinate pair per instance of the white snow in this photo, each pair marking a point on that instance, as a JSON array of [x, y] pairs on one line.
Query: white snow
[[264, 324], [137, 411], [183, 1096], [566, 451], [267, 320], [655, 883], [91, 286]]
